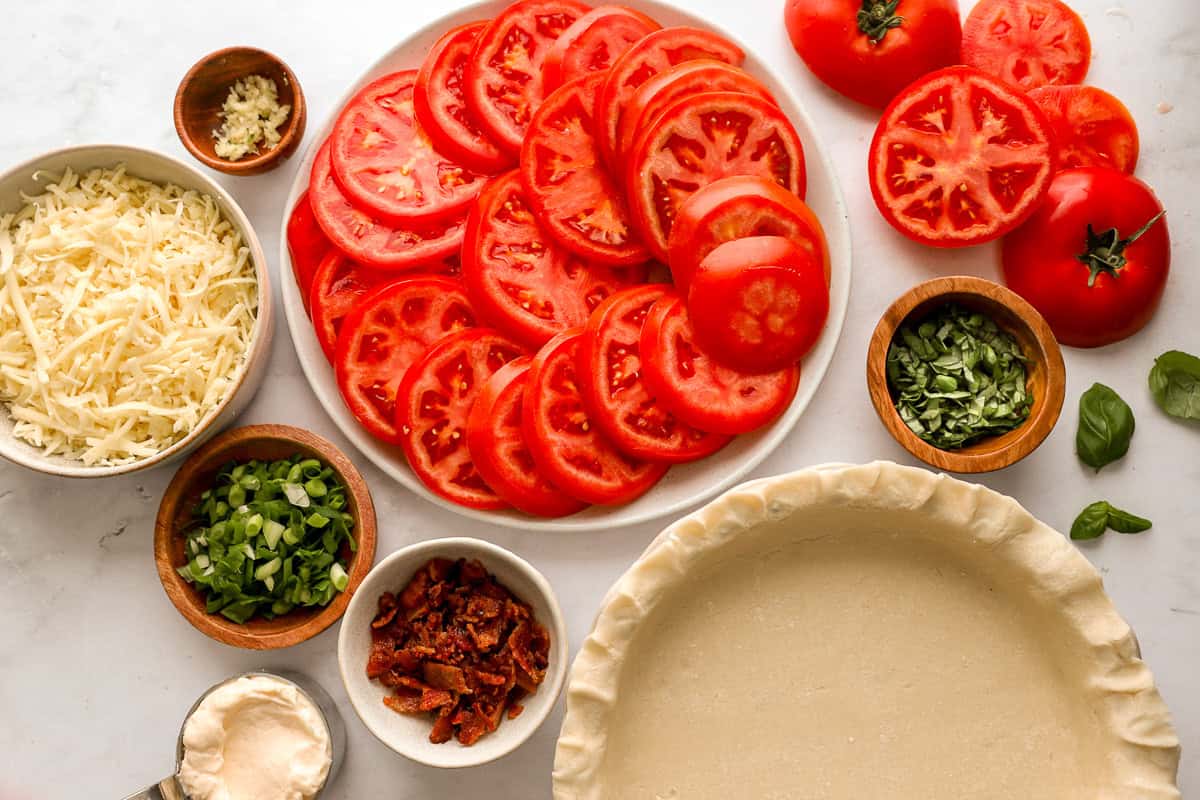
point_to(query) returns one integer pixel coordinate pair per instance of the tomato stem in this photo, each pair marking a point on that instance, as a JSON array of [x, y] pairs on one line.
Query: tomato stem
[[1105, 252], [877, 17]]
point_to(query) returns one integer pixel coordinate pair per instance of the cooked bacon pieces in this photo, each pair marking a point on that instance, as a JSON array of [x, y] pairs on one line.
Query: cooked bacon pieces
[[457, 645]]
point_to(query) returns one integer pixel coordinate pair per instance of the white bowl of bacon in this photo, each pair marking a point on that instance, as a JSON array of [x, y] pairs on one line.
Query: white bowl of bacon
[[453, 651], [135, 310]]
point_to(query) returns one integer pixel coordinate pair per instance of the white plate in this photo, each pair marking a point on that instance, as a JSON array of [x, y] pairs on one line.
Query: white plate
[[686, 485]]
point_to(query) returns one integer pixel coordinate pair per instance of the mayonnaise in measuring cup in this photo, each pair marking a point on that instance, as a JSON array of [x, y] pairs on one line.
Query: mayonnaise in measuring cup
[[255, 738]]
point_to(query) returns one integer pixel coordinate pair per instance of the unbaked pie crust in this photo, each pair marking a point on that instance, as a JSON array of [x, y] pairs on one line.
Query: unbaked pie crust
[[867, 632]]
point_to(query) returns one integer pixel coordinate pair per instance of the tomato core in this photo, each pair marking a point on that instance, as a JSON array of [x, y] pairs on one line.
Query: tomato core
[[1106, 251], [877, 17]]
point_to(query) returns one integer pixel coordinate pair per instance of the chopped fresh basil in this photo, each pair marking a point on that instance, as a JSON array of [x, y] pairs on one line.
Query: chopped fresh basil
[[267, 537], [957, 378], [1105, 426], [1097, 518], [1175, 384]]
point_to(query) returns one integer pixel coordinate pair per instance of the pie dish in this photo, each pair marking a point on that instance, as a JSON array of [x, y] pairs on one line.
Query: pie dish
[[870, 631]]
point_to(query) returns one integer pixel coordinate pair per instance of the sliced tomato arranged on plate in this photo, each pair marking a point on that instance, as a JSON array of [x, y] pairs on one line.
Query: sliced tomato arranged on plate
[[763, 301], [567, 446], [698, 390], [519, 280], [700, 139], [663, 89], [611, 382], [385, 162], [496, 440], [1027, 43], [307, 245], [960, 158], [572, 194], [338, 286], [366, 239], [432, 405], [504, 74], [733, 208], [440, 102], [385, 333], [653, 54], [1091, 127], [593, 43]]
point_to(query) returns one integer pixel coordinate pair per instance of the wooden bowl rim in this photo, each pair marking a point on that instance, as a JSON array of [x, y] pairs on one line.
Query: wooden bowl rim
[[1048, 353], [178, 590], [292, 132]]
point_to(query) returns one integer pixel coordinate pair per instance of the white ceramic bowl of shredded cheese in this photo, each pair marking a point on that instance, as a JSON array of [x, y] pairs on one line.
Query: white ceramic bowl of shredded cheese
[[186, 374]]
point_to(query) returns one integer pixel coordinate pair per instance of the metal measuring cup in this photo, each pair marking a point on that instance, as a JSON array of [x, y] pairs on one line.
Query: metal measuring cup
[[169, 788]]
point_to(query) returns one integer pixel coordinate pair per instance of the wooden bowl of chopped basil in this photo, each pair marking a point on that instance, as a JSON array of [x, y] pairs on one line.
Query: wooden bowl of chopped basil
[[965, 374], [263, 535]]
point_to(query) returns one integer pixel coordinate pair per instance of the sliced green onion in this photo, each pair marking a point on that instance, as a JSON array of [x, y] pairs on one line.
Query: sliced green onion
[[272, 531], [339, 578]]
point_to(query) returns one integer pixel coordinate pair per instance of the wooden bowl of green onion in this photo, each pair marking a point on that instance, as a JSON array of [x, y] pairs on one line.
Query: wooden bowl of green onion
[[965, 374], [263, 535]]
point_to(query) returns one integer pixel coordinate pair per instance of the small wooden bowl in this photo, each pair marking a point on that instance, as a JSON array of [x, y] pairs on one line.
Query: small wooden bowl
[[175, 514], [1046, 373], [202, 93]]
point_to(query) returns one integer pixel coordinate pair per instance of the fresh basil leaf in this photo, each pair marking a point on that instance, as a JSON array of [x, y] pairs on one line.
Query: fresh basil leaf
[[1175, 384], [1124, 522], [1091, 522], [1105, 426], [1094, 520]]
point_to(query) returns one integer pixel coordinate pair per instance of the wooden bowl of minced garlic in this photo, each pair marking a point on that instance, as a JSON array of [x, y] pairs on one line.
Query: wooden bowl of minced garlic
[[240, 111]]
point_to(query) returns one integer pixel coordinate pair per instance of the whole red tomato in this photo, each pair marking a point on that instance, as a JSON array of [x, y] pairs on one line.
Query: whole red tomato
[[1094, 257], [871, 49]]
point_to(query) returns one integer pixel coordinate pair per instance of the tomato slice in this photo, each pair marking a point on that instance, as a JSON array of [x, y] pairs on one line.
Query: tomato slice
[[1091, 127], [504, 74], [733, 208], [697, 389], [440, 103], [663, 89], [655, 53], [593, 43], [519, 280], [338, 286], [1027, 43], [763, 301], [960, 158], [566, 445], [496, 441], [307, 245], [432, 404], [364, 238], [700, 139], [612, 387], [383, 335], [570, 191], [385, 163]]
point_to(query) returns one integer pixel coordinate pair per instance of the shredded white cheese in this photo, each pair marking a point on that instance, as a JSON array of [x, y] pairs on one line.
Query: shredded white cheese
[[126, 309], [251, 114]]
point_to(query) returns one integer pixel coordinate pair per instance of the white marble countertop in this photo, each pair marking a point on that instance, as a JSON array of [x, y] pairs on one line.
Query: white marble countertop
[[97, 668]]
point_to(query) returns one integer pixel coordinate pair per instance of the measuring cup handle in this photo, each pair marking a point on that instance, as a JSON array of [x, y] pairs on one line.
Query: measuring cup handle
[[167, 789]]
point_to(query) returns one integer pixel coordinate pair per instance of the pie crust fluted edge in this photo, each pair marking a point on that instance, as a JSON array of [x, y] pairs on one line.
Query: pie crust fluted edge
[[1145, 761]]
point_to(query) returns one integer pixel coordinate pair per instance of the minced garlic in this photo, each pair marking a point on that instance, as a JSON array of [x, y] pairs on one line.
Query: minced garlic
[[251, 114]]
